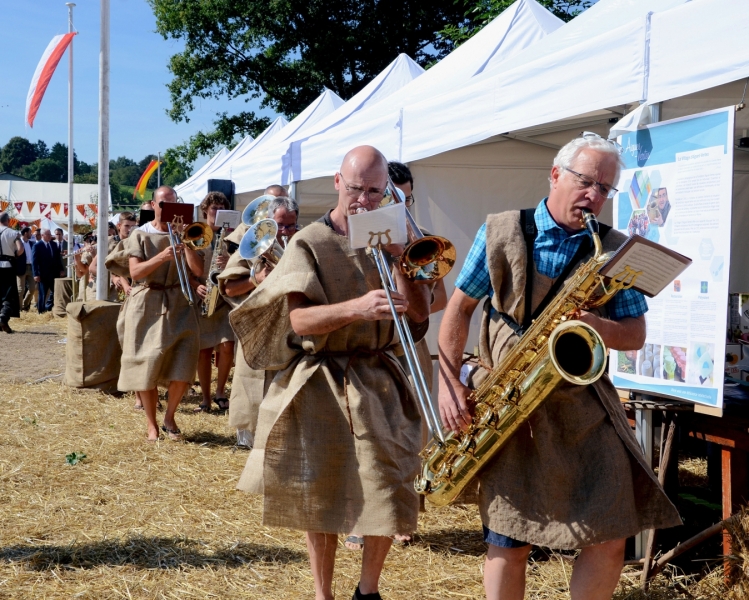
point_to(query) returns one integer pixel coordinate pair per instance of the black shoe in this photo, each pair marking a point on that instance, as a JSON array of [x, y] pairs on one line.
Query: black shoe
[[5, 327], [359, 596]]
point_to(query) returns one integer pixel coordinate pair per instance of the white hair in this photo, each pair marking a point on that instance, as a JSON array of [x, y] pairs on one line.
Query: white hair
[[568, 154], [285, 202]]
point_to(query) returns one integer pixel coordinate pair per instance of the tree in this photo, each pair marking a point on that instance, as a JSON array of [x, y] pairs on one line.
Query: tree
[[41, 150], [17, 153], [481, 12], [286, 53], [45, 169], [174, 171]]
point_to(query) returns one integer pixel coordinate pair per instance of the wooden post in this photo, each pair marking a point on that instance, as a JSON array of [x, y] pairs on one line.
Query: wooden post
[[734, 480]]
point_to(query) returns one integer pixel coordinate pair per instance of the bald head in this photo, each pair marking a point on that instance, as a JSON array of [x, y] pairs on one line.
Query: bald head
[[164, 193], [276, 190], [361, 182], [364, 158]]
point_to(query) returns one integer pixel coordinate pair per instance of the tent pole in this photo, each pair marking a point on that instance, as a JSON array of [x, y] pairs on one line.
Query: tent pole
[[102, 278]]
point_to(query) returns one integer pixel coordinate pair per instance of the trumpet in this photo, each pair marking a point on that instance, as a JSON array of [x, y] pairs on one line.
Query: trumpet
[[260, 246], [427, 258], [195, 236]]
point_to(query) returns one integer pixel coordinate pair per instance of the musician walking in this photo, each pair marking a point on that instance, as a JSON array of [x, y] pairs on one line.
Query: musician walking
[[574, 477], [337, 439], [236, 284], [157, 326], [215, 331]]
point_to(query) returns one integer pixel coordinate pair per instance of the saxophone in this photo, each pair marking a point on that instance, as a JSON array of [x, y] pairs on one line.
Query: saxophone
[[555, 348], [210, 303]]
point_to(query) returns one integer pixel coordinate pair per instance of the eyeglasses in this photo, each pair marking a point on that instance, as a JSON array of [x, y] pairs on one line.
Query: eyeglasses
[[591, 135], [354, 191], [410, 199], [584, 182], [286, 227]]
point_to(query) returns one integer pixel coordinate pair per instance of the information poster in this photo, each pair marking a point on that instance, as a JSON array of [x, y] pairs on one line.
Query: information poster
[[675, 189]]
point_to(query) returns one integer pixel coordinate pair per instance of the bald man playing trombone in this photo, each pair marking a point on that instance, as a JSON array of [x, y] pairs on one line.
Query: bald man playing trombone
[[338, 433]]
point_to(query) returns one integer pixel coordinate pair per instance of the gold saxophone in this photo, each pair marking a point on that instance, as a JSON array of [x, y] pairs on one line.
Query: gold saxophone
[[210, 303], [555, 348]]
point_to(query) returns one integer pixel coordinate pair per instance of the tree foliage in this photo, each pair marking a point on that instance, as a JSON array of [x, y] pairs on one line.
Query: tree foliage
[[285, 52], [481, 12], [17, 153]]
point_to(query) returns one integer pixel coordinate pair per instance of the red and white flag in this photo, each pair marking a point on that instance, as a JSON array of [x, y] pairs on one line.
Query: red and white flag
[[44, 71]]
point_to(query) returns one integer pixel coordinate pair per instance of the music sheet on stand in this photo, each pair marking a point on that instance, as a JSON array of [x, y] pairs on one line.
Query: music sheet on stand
[[675, 189]]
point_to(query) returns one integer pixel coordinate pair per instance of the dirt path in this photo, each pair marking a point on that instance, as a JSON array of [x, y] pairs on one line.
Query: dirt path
[[34, 349]]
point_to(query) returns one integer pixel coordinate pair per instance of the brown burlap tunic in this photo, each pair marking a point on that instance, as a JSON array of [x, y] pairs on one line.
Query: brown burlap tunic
[[157, 327], [214, 330], [575, 475], [247, 385], [315, 474]]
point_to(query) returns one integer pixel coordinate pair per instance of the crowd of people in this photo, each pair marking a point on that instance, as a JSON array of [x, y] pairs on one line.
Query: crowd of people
[[320, 392]]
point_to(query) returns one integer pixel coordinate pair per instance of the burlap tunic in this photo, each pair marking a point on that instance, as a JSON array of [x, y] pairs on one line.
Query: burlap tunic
[[247, 385], [157, 327], [316, 475], [214, 330], [575, 475]]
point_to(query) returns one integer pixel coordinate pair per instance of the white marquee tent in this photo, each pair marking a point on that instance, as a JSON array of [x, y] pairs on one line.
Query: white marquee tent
[[276, 163], [31, 201], [186, 186]]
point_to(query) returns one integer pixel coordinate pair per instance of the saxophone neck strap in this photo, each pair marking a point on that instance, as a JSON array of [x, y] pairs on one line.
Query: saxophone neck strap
[[530, 233]]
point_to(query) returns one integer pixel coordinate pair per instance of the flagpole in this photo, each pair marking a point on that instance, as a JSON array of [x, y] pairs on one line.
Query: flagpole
[[71, 165], [158, 175], [102, 278]]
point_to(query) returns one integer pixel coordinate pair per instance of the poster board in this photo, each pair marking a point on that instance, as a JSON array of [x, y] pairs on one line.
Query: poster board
[[675, 189]]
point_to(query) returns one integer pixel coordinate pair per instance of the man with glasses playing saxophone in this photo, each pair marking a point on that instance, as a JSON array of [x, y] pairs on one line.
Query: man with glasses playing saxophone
[[157, 326], [574, 477], [337, 439]]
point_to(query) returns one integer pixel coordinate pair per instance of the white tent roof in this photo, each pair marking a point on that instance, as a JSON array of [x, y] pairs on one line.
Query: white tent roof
[[185, 185], [221, 169], [34, 200], [521, 25], [617, 52], [280, 163]]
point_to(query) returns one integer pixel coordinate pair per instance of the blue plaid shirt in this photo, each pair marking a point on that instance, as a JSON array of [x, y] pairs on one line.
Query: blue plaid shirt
[[553, 249]]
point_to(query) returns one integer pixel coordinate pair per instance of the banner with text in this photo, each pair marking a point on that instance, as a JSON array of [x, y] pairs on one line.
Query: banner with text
[[675, 189]]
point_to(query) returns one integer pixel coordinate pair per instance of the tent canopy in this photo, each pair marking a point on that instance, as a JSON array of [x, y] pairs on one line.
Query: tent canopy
[[30, 201]]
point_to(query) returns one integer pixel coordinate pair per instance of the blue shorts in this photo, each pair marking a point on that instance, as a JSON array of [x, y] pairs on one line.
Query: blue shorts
[[502, 541]]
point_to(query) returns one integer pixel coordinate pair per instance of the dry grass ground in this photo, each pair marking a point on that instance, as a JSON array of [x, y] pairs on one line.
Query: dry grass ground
[[140, 520]]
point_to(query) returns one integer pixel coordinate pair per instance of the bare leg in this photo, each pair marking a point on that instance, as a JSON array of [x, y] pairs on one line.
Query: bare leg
[[138, 400], [204, 375], [224, 362], [504, 572], [149, 399], [176, 391], [322, 547], [597, 571], [376, 549]]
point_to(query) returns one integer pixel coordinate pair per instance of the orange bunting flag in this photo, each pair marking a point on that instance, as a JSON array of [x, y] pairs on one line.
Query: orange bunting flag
[[94, 208], [81, 209], [140, 188], [56, 207], [4, 205], [31, 206], [13, 223]]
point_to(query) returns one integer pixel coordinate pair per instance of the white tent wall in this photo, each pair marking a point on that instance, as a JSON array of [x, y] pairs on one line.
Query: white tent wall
[[186, 186], [84, 194]]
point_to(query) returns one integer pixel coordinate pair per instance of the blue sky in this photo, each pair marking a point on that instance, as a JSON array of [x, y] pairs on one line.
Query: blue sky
[[139, 124]]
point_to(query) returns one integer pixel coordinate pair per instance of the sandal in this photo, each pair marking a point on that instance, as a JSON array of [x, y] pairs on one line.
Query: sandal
[[200, 408], [174, 434], [354, 540], [222, 403]]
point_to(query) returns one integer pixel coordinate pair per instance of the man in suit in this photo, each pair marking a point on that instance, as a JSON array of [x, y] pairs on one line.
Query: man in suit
[[61, 242], [26, 285], [46, 264]]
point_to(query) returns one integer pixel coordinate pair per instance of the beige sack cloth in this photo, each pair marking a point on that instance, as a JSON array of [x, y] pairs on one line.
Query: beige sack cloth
[[157, 328], [63, 295], [575, 475], [93, 350], [316, 475]]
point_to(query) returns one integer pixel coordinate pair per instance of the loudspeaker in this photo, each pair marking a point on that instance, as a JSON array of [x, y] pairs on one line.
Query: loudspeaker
[[225, 186]]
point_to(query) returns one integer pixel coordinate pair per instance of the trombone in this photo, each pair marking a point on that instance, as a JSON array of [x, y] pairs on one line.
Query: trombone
[[425, 259], [196, 236]]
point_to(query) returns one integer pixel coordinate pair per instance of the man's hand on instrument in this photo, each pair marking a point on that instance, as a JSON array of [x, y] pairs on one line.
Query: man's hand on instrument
[[394, 249], [221, 261], [261, 274], [374, 306], [167, 254], [202, 291], [454, 410]]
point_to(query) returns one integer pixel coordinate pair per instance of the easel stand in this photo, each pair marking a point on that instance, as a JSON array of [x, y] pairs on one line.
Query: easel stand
[[730, 434]]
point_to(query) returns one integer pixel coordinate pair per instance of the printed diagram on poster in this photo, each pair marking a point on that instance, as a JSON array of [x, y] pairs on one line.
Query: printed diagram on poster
[[676, 190]]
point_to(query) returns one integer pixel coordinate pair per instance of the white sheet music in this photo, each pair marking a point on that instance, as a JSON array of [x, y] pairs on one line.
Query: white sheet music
[[386, 225], [228, 218]]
